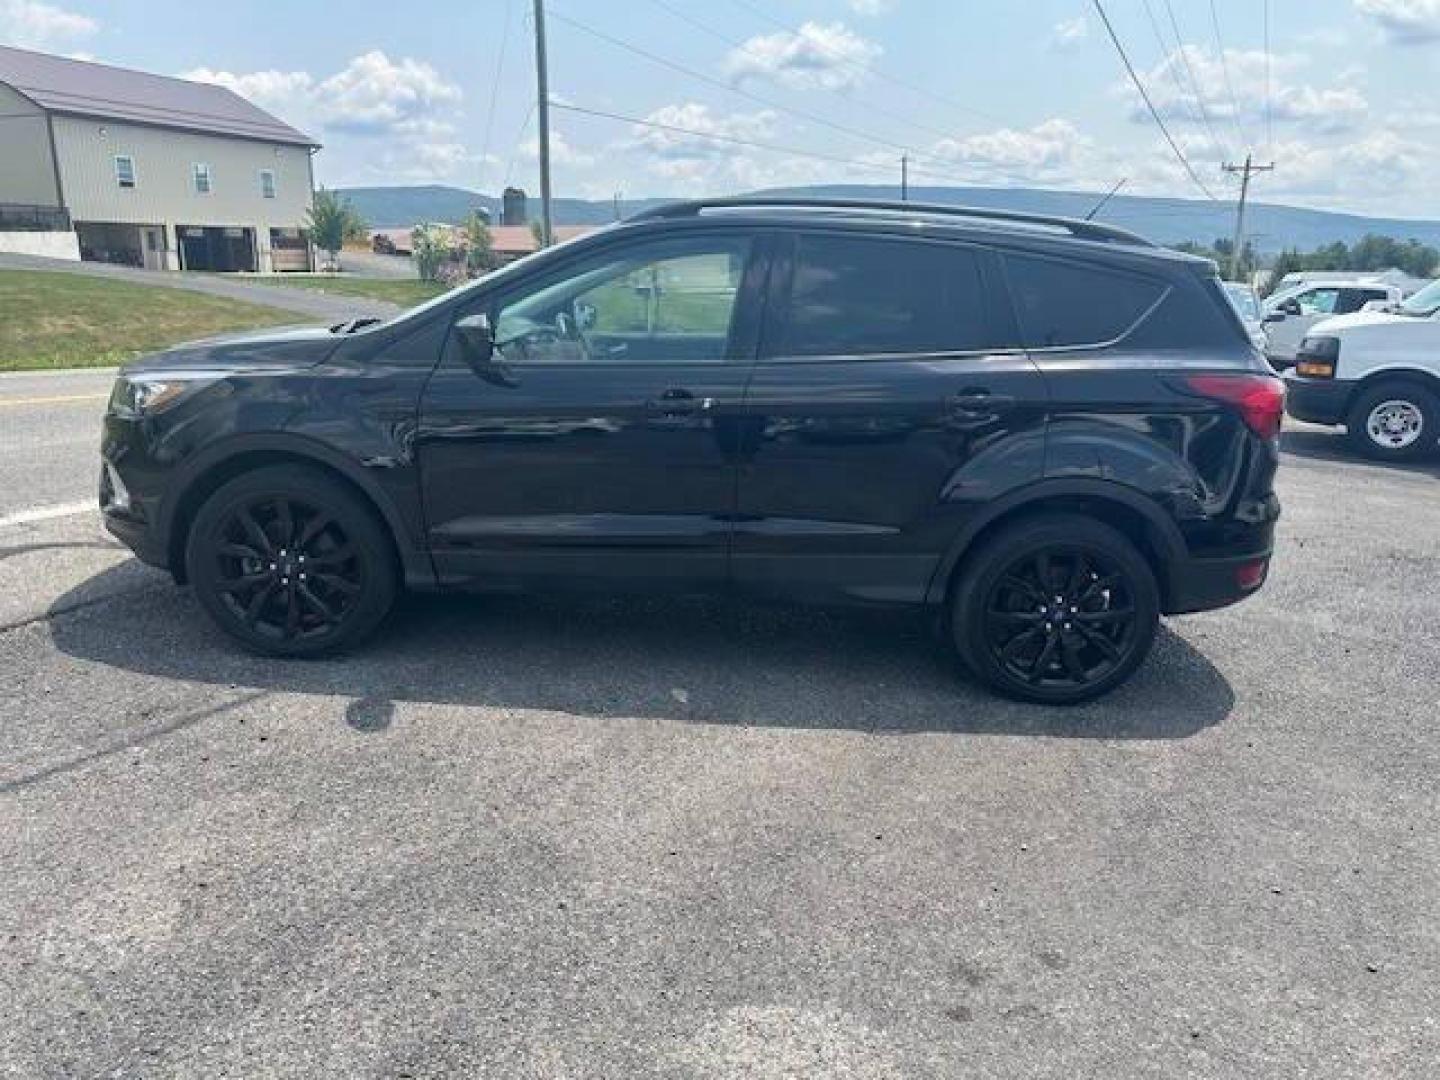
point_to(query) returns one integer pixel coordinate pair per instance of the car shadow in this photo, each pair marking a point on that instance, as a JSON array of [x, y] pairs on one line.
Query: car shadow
[[1334, 446], [711, 661]]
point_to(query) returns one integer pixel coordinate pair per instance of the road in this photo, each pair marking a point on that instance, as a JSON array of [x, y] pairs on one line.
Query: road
[[701, 839], [314, 306]]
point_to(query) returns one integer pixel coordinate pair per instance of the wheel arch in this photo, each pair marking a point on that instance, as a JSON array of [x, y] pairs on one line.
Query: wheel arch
[[1428, 379], [220, 464], [1131, 512]]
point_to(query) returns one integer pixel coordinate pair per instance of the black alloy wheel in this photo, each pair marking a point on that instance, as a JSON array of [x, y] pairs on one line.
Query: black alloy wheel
[[1056, 610], [290, 564]]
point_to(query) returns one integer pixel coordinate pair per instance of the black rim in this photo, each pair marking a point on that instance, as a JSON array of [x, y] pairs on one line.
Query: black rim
[[286, 569], [1060, 618]]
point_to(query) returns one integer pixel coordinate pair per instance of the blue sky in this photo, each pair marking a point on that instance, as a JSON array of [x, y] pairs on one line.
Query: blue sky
[[975, 91]]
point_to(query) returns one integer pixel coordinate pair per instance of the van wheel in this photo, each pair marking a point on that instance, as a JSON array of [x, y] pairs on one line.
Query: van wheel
[[1057, 609], [290, 563], [1395, 421]]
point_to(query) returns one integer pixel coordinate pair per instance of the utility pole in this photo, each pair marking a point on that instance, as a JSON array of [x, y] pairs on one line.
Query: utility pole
[[904, 177], [542, 108], [1245, 171]]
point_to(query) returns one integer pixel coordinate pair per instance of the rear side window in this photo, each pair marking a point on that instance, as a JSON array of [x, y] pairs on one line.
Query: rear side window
[[865, 296], [1062, 304]]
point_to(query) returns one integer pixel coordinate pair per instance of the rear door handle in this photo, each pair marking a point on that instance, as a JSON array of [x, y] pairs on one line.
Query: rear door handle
[[979, 403], [678, 401]]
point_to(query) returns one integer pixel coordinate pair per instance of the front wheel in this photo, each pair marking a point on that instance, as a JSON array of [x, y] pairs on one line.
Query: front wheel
[[1395, 421], [1057, 609], [289, 562]]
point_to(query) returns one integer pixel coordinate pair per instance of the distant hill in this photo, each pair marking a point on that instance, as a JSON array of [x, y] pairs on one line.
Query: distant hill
[[1272, 227]]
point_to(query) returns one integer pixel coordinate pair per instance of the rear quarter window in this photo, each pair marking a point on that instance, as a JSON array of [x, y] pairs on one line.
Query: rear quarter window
[[1063, 304]]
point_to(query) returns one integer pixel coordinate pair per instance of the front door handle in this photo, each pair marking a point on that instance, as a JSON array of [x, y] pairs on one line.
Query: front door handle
[[678, 401], [979, 403]]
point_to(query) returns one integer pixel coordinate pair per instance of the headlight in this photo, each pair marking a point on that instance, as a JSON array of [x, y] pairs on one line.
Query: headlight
[[1317, 357], [138, 395]]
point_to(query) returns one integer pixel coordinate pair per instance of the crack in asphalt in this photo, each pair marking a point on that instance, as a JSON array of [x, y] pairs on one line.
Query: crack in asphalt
[[180, 722]]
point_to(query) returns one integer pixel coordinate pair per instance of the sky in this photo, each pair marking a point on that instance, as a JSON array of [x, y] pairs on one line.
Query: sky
[[1345, 101]]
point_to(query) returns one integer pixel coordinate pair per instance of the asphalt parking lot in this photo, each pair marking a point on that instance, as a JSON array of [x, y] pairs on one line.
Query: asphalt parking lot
[[699, 839]]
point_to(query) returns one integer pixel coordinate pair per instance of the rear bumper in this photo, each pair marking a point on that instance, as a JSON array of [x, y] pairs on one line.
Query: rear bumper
[[1207, 584], [1317, 401]]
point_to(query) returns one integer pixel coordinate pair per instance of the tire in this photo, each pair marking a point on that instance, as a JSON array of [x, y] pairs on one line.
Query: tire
[[312, 571], [1074, 650], [1395, 421]]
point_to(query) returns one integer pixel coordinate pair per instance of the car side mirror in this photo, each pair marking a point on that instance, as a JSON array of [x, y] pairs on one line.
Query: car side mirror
[[477, 345], [1273, 317], [1290, 307], [476, 338]]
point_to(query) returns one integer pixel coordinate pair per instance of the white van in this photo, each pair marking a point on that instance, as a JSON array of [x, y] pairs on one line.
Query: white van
[[1289, 315], [1376, 372]]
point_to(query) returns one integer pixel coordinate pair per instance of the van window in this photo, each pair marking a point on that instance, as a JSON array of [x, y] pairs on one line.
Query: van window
[[870, 296], [1062, 304]]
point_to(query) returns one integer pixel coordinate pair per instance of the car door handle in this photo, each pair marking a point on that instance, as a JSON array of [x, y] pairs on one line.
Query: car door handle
[[678, 402], [979, 403]]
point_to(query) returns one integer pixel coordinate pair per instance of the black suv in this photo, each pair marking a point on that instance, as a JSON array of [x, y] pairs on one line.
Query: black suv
[[1048, 430]]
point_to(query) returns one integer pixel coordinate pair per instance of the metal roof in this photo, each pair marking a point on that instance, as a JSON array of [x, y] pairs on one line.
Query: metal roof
[[83, 88]]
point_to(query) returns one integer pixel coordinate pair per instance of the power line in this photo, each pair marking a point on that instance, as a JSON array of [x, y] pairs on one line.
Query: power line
[[731, 140], [1269, 88], [495, 86], [1135, 78], [1225, 67], [870, 69], [742, 92], [1194, 82], [851, 101], [1167, 62]]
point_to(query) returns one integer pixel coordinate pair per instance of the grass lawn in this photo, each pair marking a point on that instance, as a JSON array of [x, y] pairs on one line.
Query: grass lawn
[[55, 320], [403, 291]]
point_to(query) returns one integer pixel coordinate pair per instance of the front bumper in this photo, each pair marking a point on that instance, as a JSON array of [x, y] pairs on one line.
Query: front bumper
[[1317, 401], [129, 492]]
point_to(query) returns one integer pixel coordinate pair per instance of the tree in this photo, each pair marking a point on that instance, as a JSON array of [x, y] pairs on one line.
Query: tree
[[331, 220], [480, 257], [429, 247]]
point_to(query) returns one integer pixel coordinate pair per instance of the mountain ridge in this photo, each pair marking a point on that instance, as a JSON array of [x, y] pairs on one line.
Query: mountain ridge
[[1272, 227]]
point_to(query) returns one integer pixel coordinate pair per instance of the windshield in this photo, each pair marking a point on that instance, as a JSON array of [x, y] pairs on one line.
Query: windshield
[[1424, 303], [1243, 297]]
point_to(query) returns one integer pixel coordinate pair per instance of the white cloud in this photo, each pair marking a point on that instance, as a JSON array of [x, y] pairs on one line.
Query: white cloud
[[562, 151], [1405, 22], [1048, 151], [1069, 32], [267, 89], [829, 56], [1333, 108], [674, 145], [403, 110], [31, 24], [374, 94]]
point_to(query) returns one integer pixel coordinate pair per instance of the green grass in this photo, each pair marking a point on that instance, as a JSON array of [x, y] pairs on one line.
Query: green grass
[[403, 291], [57, 320], [619, 308]]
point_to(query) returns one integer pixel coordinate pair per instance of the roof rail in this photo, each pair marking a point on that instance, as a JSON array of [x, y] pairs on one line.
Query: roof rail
[[1083, 230]]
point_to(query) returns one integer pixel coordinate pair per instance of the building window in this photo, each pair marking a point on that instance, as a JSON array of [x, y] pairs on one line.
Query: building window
[[125, 170], [202, 178], [267, 183]]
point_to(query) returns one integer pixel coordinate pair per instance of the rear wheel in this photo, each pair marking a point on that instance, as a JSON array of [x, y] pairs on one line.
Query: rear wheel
[[290, 563], [1395, 421], [1056, 609]]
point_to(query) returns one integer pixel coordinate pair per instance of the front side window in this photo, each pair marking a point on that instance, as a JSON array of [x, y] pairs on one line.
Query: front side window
[[1064, 304], [125, 170], [1424, 303], [201, 173], [267, 183], [669, 301], [1318, 301], [870, 296]]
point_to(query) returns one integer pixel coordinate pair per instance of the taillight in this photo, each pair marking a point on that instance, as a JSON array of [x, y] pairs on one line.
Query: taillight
[[1260, 399]]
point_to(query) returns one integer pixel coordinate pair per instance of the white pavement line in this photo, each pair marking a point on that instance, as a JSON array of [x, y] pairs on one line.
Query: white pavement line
[[46, 513]]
